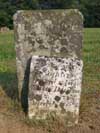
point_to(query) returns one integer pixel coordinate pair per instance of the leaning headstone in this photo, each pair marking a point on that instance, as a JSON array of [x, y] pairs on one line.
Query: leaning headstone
[[48, 49]]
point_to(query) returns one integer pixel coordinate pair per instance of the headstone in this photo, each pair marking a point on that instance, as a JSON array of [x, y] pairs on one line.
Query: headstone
[[50, 42], [4, 29]]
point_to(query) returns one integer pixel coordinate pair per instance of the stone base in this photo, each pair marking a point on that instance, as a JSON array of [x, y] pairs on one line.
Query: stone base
[[54, 86]]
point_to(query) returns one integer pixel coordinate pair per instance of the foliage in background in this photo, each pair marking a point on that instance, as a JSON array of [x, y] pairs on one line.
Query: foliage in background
[[89, 8]]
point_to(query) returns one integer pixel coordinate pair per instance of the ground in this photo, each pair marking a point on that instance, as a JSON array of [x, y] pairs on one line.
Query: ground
[[12, 118]]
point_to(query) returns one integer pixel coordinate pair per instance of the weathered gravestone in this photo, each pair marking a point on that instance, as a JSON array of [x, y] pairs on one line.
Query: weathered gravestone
[[48, 49]]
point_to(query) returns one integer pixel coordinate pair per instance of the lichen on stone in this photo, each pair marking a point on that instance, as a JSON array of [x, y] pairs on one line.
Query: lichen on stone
[[53, 39]]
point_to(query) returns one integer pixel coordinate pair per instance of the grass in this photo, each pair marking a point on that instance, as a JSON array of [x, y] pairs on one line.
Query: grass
[[6, 46], [91, 75], [91, 58], [8, 65]]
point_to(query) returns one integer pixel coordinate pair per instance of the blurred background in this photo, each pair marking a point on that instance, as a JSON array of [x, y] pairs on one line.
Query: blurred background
[[89, 8], [11, 118]]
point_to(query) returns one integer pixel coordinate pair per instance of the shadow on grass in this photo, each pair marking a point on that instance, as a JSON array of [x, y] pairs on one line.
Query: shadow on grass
[[8, 82]]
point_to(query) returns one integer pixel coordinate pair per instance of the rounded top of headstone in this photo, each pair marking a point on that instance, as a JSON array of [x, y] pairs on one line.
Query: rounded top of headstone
[[63, 11]]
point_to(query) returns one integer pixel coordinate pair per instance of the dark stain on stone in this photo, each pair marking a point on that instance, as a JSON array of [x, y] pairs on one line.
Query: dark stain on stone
[[42, 62], [38, 88], [60, 83], [63, 68], [42, 47], [70, 83], [71, 67], [33, 43], [62, 105], [71, 88], [53, 102], [44, 69], [78, 63], [49, 90], [64, 42], [57, 98], [33, 33], [61, 91], [41, 82], [38, 97], [56, 105], [67, 92], [59, 60], [64, 50], [54, 66]]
